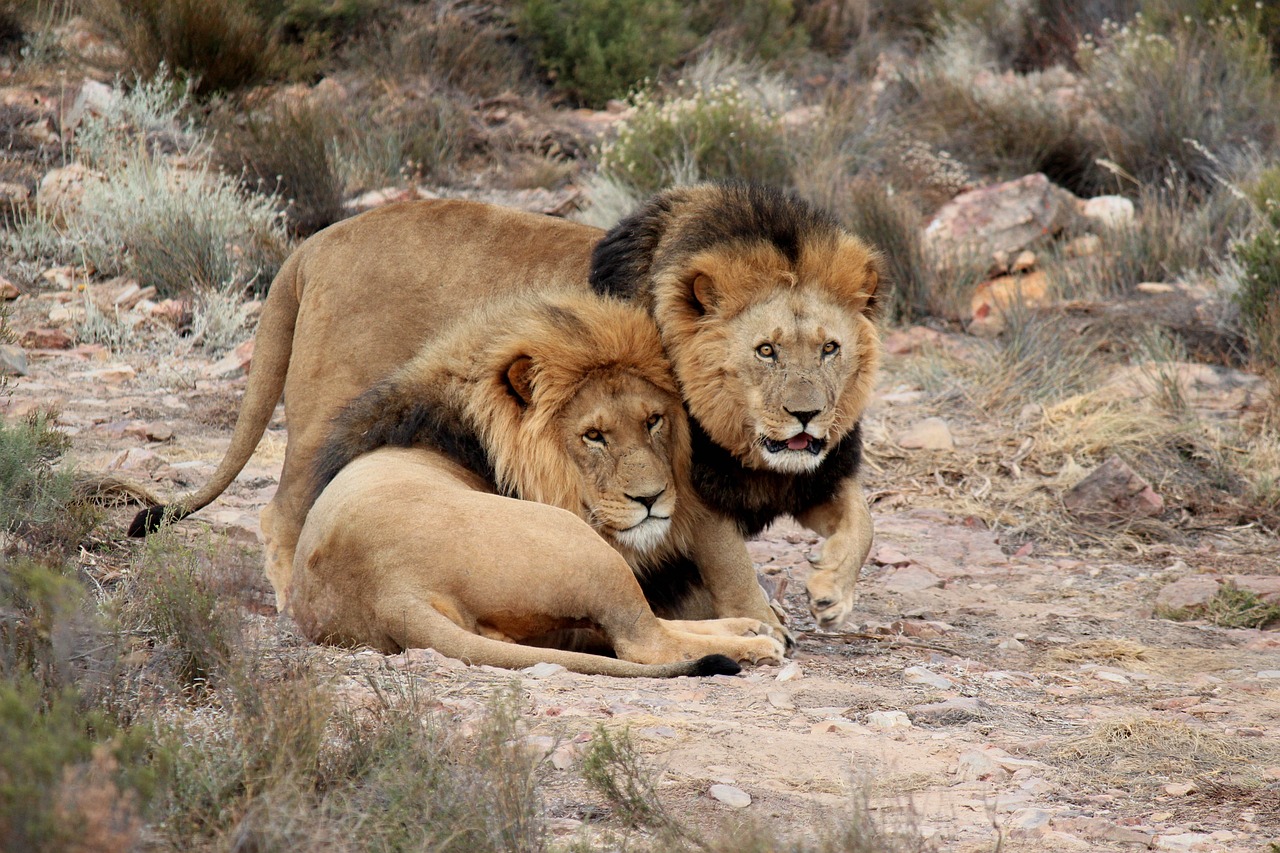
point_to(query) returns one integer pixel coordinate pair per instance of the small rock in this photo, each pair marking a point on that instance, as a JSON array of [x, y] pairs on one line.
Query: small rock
[[780, 699], [993, 298], [1188, 594], [911, 578], [1011, 644], [8, 290], [93, 99], [135, 459], [922, 675], [977, 764], [543, 670], [1024, 262], [61, 191], [13, 360], [565, 756], [887, 555], [888, 720], [113, 375], [1186, 841], [790, 672], [1179, 789], [234, 363], [1084, 246], [730, 796], [952, 711], [928, 434], [914, 339], [1113, 491], [1111, 211], [1113, 677], [46, 338], [1268, 674], [12, 194], [1155, 288], [829, 726]]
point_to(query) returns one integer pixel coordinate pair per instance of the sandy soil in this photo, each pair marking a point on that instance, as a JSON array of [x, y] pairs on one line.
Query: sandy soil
[[976, 693]]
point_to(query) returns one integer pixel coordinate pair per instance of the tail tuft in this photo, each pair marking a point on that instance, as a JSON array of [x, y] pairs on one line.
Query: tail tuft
[[149, 520], [716, 665]]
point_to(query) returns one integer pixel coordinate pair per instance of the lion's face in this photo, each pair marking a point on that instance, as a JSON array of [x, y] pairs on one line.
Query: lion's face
[[624, 437], [777, 358]]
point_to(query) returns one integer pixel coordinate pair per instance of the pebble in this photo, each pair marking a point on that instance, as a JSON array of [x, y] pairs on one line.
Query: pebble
[[922, 675], [730, 796], [911, 578], [928, 434], [790, 672], [1186, 841], [543, 670], [1179, 789], [888, 720], [780, 699], [13, 360]]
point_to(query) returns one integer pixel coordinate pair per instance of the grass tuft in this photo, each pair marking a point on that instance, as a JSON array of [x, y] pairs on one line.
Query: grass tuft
[[1230, 607]]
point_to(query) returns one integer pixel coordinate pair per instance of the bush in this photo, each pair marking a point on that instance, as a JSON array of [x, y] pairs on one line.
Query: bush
[[37, 507], [594, 50], [758, 29], [709, 129], [892, 226], [1178, 106], [287, 151], [422, 136], [1258, 256]]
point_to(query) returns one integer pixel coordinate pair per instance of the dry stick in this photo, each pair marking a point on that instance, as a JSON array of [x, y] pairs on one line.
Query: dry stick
[[896, 639]]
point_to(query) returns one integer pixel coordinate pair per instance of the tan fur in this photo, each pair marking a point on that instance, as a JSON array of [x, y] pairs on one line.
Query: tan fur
[[405, 547], [571, 402], [355, 301]]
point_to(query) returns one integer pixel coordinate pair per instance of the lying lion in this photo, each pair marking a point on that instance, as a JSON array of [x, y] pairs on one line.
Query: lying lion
[[765, 307], [503, 444]]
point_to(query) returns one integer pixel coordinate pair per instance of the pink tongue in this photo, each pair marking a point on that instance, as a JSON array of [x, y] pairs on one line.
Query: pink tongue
[[798, 442]]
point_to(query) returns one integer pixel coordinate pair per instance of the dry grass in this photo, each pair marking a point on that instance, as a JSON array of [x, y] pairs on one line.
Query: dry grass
[[1116, 651], [1150, 752], [1230, 607]]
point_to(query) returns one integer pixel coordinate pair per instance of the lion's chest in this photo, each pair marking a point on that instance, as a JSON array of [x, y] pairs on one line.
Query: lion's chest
[[754, 499]]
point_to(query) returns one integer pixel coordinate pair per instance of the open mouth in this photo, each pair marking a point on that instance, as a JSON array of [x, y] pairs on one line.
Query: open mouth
[[797, 443]]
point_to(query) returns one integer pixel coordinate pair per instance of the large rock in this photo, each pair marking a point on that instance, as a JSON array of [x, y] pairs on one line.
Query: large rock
[[1191, 593], [1006, 217], [992, 299], [1113, 492]]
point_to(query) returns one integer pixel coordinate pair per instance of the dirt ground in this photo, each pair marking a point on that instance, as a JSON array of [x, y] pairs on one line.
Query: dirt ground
[[996, 695]]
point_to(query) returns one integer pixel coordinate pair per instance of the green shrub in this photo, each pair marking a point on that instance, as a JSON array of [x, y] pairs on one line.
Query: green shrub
[[758, 29], [594, 50], [421, 137], [37, 505], [1258, 256], [709, 131], [1180, 105]]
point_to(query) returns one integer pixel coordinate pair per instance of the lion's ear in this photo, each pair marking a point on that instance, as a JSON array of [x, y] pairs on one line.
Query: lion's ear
[[703, 293], [872, 276], [519, 381]]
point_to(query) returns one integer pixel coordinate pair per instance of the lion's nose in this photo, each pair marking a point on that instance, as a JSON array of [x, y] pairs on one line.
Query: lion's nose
[[804, 417], [647, 501]]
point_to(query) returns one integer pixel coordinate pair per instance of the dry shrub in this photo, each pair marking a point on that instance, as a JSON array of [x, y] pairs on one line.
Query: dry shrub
[[1149, 752], [1230, 607], [1116, 651], [286, 151]]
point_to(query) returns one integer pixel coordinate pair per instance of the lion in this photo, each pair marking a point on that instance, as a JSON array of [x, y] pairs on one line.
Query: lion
[[508, 485], [765, 305]]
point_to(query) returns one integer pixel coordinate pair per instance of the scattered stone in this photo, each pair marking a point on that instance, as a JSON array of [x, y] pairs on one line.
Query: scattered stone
[[135, 459], [1179, 789], [93, 99], [1113, 491], [1269, 674], [1265, 587], [888, 720], [1113, 677], [977, 764], [923, 675], [1005, 217], [911, 578], [13, 360], [790, 672], [1188, 594], [1011, 644], [1111, 211], [907, 341], [1204, 387], [12, 195], [234, 363], [928, 434], [1025, 261], [1191, 842], [46, 338], [543, 670], [781, 700], [61, 191], [1084, 246], [565, 756], [113, 375], [844, 726], [993, 298], [148, 431], [8, 290], [730, 796], [952, 712], [887, 555]]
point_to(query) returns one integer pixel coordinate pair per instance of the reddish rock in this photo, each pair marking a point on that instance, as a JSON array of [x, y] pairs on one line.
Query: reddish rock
[[1265, 587], [992, 299], [8, 290], [46, 338], [1188, 594], [1113, 491], [912, 579], [907, 341], [1004, 217], [234, 363]]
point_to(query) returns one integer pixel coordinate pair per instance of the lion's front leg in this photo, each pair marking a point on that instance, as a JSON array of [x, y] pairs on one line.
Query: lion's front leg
[[846, 523], [720, 553]]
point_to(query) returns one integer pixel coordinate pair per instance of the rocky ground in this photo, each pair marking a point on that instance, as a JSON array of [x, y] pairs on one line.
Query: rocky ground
[[1016, 695]]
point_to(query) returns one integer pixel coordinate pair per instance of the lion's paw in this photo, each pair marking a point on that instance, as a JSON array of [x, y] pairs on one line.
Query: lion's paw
[[832, 595]]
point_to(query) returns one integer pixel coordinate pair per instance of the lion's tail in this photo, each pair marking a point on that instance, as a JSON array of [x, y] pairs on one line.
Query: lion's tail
[[273, 348], [431, 629]]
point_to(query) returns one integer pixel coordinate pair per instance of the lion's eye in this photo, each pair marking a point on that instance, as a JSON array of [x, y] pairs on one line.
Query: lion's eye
[[830, 348], [653, 420], [594, 436], [766, 351]]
